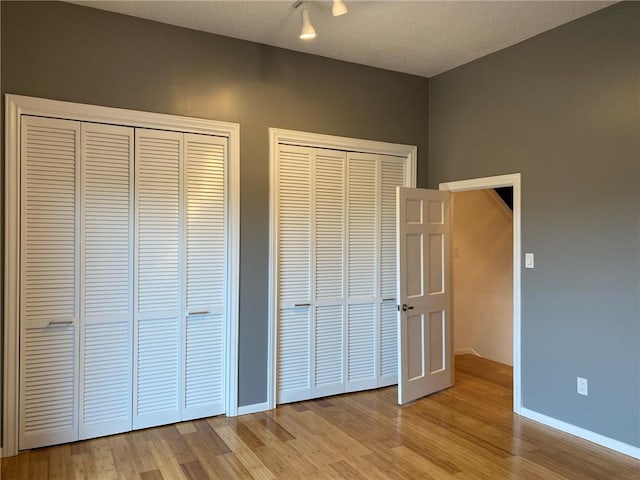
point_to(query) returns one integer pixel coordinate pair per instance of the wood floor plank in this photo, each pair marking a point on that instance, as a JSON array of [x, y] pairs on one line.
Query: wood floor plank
[[214, 442], [468, 432], [244, 454], [422, 464], [151, 475], [123, 457], [167, 463], [186, 427], [194, 471], [207, 457]]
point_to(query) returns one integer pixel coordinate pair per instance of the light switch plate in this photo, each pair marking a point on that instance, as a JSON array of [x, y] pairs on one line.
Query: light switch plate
[[528, 260], [583, 386]]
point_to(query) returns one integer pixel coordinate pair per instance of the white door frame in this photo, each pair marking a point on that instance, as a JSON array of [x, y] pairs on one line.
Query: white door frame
[[511, 180], [17, 105]]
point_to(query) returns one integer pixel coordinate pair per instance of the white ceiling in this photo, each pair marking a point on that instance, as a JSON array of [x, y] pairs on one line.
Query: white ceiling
[[419, 37]]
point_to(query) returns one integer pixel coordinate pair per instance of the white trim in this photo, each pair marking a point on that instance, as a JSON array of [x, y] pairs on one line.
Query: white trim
[[583, 433], [466, 351], [231, 380], [277, 137], [512, 180], [318, 140], [17, 105], [254, 408], [11, 285]]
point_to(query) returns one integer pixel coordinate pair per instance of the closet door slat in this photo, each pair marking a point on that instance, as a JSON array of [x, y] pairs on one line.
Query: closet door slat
[[50, 150], [107, 280]]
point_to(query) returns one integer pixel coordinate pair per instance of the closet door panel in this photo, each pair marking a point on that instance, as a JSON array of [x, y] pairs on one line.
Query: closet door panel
[[294, 256], [329, 375], [158, 332], [362, 265], [294, 352], [329, 190], [49, 282], [107, 280], [206, 266], [361, 334], [392, 175], [329, 206]]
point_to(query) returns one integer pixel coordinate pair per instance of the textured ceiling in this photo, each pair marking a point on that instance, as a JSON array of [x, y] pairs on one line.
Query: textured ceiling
[[419, 37]]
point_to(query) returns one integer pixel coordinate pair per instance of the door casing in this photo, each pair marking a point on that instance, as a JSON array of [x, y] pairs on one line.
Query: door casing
[[510, 180]]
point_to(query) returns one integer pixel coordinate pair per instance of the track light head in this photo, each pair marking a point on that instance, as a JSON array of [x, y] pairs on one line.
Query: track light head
[[307, 32], [339, 8]]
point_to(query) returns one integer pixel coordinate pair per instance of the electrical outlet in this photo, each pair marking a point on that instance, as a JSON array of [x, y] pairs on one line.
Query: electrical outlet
[[583, 386]]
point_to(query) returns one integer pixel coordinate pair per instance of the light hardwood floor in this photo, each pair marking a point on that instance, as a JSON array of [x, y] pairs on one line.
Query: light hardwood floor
[[467, 432]]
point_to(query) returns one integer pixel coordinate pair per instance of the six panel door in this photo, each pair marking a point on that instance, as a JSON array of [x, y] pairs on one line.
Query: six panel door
[[425, 325]]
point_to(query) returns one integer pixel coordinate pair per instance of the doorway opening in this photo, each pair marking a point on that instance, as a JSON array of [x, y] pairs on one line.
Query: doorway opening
[[482, 274], [481, 288]]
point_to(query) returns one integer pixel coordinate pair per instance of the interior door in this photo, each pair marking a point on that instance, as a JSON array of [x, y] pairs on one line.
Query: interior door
[[424, 293]]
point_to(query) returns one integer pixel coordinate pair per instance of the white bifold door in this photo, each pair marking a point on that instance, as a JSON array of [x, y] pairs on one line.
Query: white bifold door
[[336, 271], [180, 282], [123, 265]]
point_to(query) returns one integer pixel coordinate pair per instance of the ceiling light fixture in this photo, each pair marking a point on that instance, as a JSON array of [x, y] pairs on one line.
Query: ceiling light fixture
[[339, 8], [307, 32]]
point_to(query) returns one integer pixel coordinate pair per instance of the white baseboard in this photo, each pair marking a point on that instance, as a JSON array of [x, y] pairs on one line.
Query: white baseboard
[[585, 434], [254, 408], [466, 351]]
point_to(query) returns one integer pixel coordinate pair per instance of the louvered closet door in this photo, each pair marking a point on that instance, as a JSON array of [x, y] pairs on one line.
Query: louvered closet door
[[49, 282], [328, 323], [294, 273], [106, 300], [337, 318], [206, 266], [362, 270], [393, 174], [158, 332]]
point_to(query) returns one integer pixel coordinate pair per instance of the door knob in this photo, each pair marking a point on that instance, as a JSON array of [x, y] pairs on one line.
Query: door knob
[[406, 307]]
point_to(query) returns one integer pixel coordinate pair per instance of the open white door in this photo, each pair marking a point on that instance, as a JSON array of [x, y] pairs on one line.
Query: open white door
[[424, 336]]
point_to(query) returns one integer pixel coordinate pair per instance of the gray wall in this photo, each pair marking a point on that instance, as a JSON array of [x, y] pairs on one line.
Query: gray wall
[[73, 53], [563, 109]]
